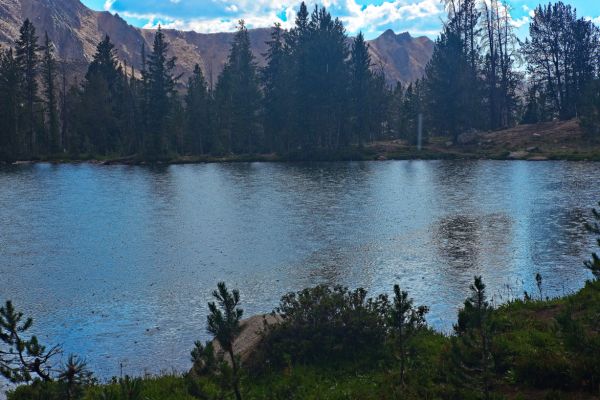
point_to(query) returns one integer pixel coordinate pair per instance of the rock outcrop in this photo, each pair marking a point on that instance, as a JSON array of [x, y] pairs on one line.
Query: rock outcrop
[[249, 337]]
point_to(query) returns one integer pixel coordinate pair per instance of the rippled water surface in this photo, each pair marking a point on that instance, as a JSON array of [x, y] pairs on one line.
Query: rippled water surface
[[117, 262]]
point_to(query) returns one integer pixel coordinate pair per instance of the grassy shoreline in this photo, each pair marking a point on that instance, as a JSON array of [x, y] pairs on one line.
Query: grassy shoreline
[[542, 349]]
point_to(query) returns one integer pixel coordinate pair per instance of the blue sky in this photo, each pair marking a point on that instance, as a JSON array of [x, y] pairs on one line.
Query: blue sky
[[419, 17]]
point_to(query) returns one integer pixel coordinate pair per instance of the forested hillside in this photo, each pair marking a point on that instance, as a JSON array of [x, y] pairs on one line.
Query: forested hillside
[[319, 92]]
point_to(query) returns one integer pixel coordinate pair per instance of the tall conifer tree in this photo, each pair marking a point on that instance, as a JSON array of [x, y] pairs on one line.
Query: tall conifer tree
[[197, 113], [27, 49], [238, 97], [10, 105], [447, 86], [276, 77], [99, 108], [562, 56], [160, 81], [361, 82], [49, 79]]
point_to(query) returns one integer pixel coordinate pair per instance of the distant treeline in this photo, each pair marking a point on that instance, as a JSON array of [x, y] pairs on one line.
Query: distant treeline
[[317, 94]]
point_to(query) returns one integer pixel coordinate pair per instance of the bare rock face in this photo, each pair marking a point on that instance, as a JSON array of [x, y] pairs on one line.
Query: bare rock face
[[402, 57], [76, 30], [249, 337]]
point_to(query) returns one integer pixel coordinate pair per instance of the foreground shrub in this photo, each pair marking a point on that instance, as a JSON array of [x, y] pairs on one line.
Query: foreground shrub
[[323, 324], [22, 358], [406, 321]]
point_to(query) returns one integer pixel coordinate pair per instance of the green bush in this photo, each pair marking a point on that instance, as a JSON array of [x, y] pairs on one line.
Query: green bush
[[324, 324]]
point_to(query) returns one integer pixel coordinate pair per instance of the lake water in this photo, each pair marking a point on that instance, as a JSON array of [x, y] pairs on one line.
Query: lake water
[[117, 263]]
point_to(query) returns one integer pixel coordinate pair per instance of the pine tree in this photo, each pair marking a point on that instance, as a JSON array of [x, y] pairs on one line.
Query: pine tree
[[500, 76], [360, 90], [49, 79], [66, 106], [412, 106], [93, 120], [586, 60], [224, 323], [128, 114], [105, 64], [276, 77], [10, 105], [380, 97], [73, 137], [447, 86], [594, 228], [160, 84], [22, 357], [296, 44], [326, 81], [472, 345], [590, 110], [463, 21], [27, 49], [395, 115], [405, 321], [561, 56], [74, 374], [197, 112], [99, 109], [238, 97]]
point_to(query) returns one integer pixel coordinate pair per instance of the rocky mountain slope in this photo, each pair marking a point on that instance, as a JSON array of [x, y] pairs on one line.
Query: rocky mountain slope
[[75, 30], [402, 57]]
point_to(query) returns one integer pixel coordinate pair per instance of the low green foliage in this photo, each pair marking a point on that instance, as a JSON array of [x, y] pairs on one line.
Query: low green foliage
[[542, 349]]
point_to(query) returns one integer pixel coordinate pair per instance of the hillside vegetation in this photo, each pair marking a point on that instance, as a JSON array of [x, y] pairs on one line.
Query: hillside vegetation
[[314, 94]]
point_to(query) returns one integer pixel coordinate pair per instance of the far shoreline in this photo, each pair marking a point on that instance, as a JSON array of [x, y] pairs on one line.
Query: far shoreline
[[592, 157], [548, 141]]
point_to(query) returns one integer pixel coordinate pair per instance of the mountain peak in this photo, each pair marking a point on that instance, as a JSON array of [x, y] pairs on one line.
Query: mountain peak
[[391, 35], [388, 33]]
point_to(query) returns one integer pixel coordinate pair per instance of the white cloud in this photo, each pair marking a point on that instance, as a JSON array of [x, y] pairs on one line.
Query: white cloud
[[594, 20], [519, 22], [108, 5], [416, 16], [389, 13]]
